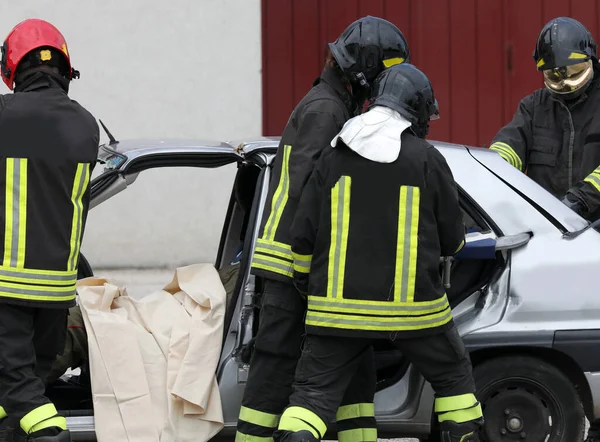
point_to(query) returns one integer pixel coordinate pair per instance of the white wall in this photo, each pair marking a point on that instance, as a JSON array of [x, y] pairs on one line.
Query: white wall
[[156, 68]]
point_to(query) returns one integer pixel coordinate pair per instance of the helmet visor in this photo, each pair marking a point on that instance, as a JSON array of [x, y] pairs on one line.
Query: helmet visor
[[567, 79], [434, 111]]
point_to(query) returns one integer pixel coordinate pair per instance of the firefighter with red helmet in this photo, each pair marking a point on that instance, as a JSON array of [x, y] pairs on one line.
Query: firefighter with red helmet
[[48, 149]]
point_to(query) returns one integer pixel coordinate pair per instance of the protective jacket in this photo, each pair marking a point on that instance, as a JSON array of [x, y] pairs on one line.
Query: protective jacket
[[557, 144], [311, 127], [48, 150], [367, 240]]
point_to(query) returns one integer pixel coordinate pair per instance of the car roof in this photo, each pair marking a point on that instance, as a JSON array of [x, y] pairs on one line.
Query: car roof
[[121, 154]]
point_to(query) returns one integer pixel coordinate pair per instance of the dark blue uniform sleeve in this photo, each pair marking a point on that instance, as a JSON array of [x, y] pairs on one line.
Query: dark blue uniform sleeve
[[513, 140]]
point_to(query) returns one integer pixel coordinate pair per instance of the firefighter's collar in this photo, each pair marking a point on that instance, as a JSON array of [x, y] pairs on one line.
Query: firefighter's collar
[[374, 135]]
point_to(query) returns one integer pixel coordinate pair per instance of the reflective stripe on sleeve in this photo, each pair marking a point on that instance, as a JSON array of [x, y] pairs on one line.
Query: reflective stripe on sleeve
[[508, 153], [280, 197], [272, 264], [80, 183], [302, 263], [594, 179]]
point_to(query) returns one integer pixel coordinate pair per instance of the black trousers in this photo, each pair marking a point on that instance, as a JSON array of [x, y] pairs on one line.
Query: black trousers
[[30, 340], [329, 363], [278, 347]]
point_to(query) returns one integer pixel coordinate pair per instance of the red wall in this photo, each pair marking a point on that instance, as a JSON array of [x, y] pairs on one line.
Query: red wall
[[477, 53]]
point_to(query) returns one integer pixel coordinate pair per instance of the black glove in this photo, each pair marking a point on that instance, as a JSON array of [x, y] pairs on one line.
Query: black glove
[[574, 203]]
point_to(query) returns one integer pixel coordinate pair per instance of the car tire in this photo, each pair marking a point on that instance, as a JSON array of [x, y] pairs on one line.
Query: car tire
[[526, 398], [530, 390]]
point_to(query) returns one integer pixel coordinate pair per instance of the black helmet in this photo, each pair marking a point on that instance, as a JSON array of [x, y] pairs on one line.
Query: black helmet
[[407, 90], [565, 52], [563, 42], [368, 46]]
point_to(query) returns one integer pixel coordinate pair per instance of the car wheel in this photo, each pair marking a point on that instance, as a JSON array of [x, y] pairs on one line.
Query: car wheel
[[525, 398]]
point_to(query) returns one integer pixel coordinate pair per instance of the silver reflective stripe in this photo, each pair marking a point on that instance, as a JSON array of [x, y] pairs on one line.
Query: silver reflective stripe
[[390, 307], [16, 274], [22, 290], [77, 214], [337, 243], [593, 177], [314, 318], [406, 254], [16, 212], [267, 263], [274, 247]]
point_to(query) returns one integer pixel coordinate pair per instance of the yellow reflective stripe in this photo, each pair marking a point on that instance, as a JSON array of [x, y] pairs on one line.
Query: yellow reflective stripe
[[37, 416], [53, 298], [280, 196], [508, 153], [22, 230], [2, 413], [594, 179], [241, 437], [272, 264], [302, 262], [57, 421], [15, 212], [577, 55], [355, 411], [80, 183], [298, 419], [460, 416], [458, 249], [340, 219], [407, 244], [383, 308], [452, 403], [541, 63], [269, 251], [359, 303], [350, 322], [8, 216], [393, 61], [32, 276], [358, 435], [259, 418]]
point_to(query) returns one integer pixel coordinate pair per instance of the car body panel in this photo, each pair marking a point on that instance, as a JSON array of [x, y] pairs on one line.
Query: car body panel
[[524, 303]]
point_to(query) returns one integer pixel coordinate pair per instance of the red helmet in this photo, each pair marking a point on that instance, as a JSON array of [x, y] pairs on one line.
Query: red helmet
[[27, 36]]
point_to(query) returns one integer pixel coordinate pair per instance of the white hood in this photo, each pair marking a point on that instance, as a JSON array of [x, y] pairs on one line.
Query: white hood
[[374, 135]]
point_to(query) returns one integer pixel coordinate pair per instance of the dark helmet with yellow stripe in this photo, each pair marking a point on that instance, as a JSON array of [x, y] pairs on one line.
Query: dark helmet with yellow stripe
[[368, 46], [565, 52]]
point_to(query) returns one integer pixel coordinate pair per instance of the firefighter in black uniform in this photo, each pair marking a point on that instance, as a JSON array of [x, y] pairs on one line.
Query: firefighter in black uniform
[[555, 134], [362, 51], [48, 148], [375, 217]]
